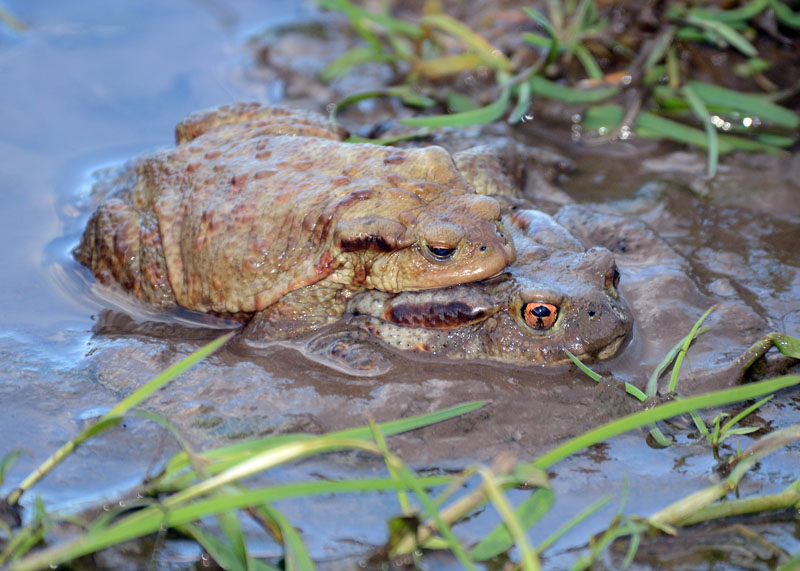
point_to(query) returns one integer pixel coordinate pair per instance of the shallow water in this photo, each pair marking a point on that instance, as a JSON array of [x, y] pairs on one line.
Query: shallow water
[[93, 85]]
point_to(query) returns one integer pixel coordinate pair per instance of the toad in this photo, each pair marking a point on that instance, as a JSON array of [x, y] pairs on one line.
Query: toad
[[556, 297], [265, 210]]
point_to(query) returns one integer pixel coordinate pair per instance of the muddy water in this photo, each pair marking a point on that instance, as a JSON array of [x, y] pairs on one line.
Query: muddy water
[[92, 86]]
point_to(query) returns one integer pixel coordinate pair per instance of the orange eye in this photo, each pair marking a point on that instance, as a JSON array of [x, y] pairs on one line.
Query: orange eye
[[540, 315]]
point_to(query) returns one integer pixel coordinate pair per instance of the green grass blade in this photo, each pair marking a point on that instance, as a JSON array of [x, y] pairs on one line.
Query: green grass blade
[[353, 58], [402, 497], [746, 103], [728, 425], [430, 510], [237, 452], [491, 112], [679, 511], [588, 62], [114, 415], [150, 520], [786, 344], [296, 555], [660, 47], [225, 556], [529, 560], [606, 117], [446, 66], [698, 422], [642, 418], [383, 20], [572, 522], [173, 371], [650, 125], [552, 44], [632, 390], [523, 103], [700, 111], [8, 460], [785, 14], [725, 32], [658, 436], [673, 380], [552, 90], [491, 56], [528, 514], [740, 14], [662, 411], [406, 93], [586, 370]]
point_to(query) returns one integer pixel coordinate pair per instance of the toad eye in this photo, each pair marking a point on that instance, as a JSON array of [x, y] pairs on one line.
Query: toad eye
[[540, 315], [440, 253]]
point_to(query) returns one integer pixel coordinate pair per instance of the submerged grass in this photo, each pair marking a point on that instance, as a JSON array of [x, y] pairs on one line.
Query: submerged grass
[[194, 485], [581, 59]]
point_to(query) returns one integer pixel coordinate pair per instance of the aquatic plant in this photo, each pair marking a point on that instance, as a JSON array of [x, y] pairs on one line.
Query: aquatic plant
[[631, 80]]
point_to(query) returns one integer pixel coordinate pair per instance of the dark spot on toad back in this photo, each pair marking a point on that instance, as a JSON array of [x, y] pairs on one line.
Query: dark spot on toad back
[[365, 242], [435, 315]]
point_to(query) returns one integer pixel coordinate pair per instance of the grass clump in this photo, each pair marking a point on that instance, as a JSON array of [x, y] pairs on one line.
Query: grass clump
[[637, 72], [218, 483]]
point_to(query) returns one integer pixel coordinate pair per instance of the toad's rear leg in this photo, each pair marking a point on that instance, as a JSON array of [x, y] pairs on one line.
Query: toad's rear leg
[[123, 246], [300, 311]]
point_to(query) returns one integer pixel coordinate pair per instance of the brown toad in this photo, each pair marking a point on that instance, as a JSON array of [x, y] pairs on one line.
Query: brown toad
[[265, 210]]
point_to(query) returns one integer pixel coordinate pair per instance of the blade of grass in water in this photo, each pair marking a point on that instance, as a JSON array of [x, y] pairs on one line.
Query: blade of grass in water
[[296, 556], [494, 492], [659, 47], [785, 14], [353, 58], [114, 415], [499, 536], [479, 116], [406, 93], [739, 14], [682, 509], [746, 103], [673, 380], [491, 56], [700, 111], [552, 90], [632, 390], [537, 505], [150, 520], [228, 456], [725, 32], [446, 66], [650, 125]]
